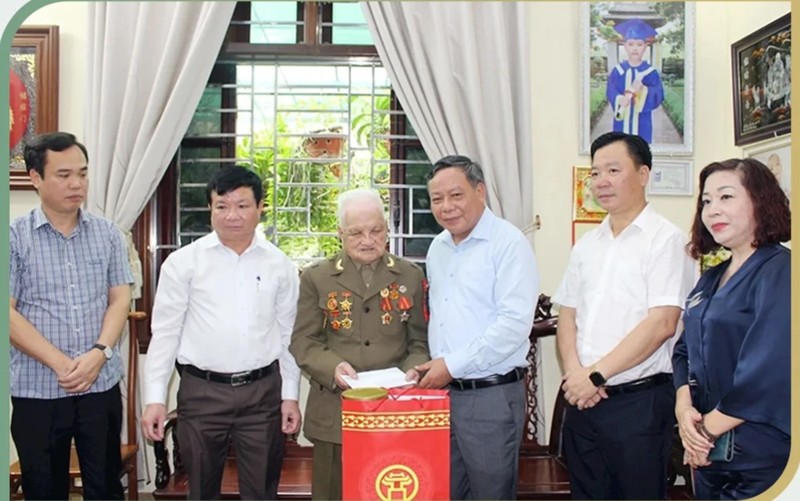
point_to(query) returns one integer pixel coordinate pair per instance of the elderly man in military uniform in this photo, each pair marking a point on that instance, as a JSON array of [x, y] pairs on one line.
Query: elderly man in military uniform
[[363, 309]]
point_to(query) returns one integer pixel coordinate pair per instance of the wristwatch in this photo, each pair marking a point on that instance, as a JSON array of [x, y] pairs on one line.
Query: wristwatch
[[107, 352], [596, 378]]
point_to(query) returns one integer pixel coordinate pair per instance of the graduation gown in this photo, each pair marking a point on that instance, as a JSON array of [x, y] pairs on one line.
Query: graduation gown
[[637, 118], [735, 354]]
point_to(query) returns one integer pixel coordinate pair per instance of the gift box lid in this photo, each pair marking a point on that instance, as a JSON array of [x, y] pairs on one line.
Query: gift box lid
[[365, 393]]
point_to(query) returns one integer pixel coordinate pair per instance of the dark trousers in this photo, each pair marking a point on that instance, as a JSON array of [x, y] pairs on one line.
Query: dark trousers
[[212, 415], [326, 475], [620, 448], [716, 484], [43, 430], [485, 435]]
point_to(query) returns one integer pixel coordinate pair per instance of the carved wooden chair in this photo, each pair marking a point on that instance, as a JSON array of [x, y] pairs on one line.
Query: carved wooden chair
[[128, 450]]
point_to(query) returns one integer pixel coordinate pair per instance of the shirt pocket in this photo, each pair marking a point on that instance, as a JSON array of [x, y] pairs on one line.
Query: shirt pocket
[[91, 274], [264, 304]]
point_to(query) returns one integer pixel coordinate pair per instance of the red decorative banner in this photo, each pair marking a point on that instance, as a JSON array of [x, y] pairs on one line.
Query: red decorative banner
[[20, 110]]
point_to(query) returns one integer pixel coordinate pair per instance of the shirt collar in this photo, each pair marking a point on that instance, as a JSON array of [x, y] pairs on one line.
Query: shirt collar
[[259, 240], [40, 218], [642, 221]]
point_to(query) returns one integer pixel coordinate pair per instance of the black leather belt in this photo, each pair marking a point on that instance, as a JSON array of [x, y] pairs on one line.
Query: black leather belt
[[233, 379], [485, 382], [639, 385]]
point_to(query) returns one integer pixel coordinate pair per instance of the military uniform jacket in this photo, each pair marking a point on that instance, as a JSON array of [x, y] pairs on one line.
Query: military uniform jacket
[[339, 319]]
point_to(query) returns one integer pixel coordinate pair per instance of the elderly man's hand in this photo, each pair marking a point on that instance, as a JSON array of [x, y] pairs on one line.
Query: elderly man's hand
[[344, 369]]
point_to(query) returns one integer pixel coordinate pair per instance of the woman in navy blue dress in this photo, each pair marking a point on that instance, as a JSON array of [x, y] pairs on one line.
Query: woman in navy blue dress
[[732, 362]]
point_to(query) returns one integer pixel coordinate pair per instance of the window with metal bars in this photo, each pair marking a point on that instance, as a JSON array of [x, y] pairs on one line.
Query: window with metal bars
[[298, 94], [312, 125]]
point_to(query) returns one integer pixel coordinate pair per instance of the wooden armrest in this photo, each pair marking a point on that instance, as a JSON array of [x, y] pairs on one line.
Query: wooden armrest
[[137, 315], [163, 470]]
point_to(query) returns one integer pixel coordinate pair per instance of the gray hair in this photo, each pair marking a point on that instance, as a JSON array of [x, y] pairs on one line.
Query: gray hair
[[471, 169], [347, 198]]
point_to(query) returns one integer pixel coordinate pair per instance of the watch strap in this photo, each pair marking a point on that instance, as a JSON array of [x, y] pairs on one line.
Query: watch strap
[[105, 349]]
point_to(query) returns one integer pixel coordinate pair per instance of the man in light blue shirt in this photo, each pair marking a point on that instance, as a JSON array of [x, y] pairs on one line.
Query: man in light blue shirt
[[483, 289]]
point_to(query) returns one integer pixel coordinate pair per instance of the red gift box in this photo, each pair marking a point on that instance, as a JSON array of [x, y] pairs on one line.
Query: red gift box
[[397, 447]]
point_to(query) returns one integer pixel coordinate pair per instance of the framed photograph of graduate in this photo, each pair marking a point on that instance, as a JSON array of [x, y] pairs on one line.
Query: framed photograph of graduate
[[762, 84], [671, 177], [637, 73], [33, 93], [585, 207]]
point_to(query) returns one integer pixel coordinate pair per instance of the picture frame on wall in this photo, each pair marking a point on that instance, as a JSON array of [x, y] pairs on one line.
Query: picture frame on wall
[[672, 178], [762, 86], [585, 207], [637, 73], [33, 93], [777, 155]]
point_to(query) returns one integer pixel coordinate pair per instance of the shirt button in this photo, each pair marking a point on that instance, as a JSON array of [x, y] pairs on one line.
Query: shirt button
[[366, 309], [366, 343]]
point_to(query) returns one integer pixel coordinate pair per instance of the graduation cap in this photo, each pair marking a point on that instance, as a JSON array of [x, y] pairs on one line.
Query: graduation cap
[[636, 29]]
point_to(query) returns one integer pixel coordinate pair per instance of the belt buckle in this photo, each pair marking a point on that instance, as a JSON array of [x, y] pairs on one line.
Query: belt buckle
[[241, 378]]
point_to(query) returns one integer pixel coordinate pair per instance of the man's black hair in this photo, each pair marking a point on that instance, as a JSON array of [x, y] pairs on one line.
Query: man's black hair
[[232, 178], [35, 151], [638, 148]]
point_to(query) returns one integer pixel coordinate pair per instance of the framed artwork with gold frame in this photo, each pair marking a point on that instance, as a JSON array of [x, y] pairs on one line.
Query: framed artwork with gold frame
[[33, 93], [585, 207]]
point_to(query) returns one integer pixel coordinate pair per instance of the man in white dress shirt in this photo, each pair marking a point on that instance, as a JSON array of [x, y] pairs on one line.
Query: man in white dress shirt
[[621, 298], [223, 313]]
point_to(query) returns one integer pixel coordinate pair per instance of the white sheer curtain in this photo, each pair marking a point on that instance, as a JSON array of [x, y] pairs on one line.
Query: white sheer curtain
[[148, 63], [462, 73]]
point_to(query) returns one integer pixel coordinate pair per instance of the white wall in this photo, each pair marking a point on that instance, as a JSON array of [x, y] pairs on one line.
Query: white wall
[[555, 140], [555, 68]]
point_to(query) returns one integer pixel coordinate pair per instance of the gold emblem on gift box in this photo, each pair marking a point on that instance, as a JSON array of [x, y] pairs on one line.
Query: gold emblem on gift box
[[397, 481]]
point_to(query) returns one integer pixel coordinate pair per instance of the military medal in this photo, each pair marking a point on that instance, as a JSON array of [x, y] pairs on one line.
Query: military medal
[[332, 303], [403, 289], [386, 306], [335, 325], [347, 323], [346, 304], [393, 292], [403, 304], [384, 292]]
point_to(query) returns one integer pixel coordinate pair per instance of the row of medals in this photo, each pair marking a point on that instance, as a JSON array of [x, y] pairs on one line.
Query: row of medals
[[343, 308]]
